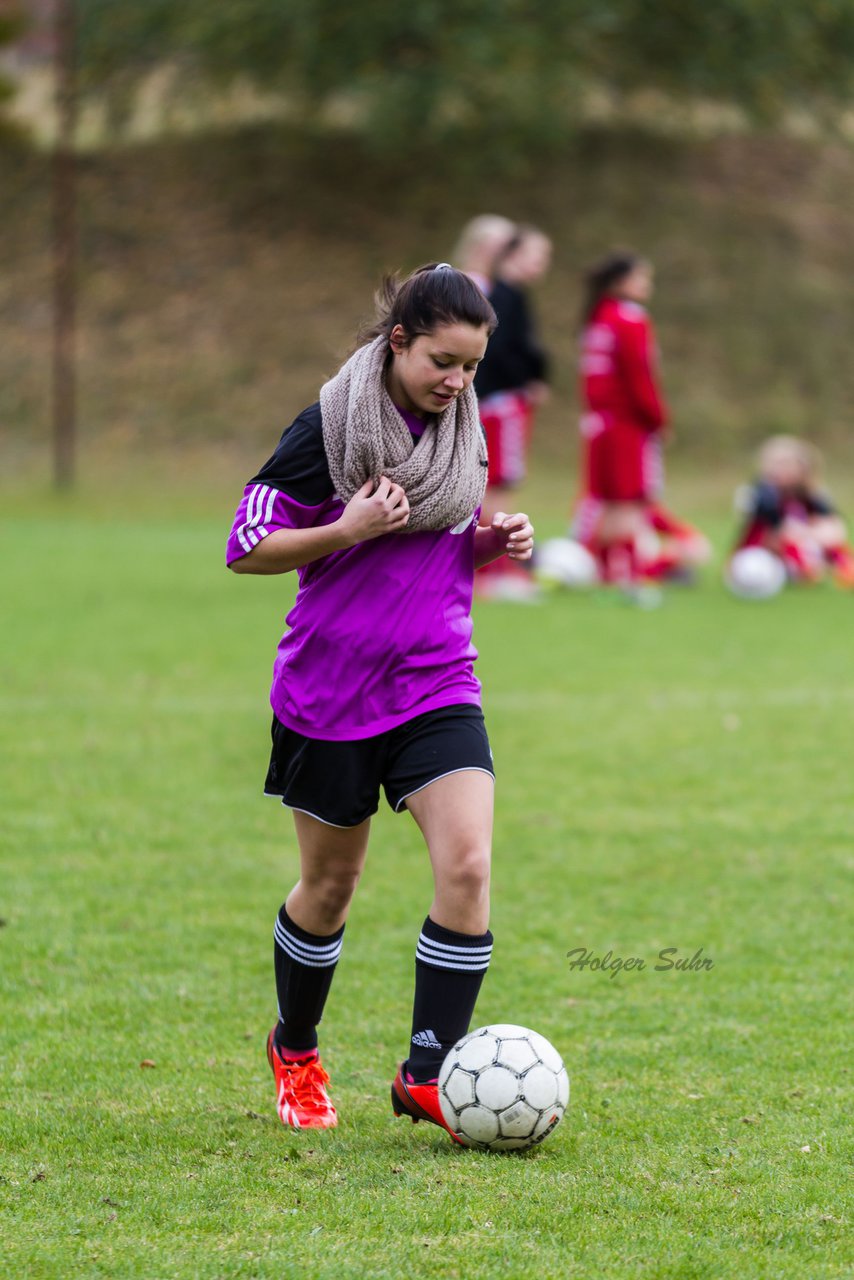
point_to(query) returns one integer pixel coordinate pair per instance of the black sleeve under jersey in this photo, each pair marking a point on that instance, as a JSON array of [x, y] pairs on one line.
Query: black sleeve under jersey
[[766, 504], [533, 353], [769, 506], [299, 467], [819, 504], [514, 356]]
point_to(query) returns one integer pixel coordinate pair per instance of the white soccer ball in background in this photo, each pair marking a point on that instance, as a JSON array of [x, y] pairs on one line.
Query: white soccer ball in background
[[755, 574], [503, 1088], [561, 562]]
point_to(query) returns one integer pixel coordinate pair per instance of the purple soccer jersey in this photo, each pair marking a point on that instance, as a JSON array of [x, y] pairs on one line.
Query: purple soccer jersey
[[379, 632]]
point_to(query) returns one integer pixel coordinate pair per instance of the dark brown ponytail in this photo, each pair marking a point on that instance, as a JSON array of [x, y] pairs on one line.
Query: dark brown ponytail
[[432, 295]]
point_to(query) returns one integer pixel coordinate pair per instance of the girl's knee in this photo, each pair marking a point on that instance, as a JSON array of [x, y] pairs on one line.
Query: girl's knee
[[469, 872], [332, 891]]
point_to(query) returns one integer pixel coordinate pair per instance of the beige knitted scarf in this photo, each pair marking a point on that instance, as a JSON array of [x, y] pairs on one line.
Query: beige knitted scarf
[[443, 474]]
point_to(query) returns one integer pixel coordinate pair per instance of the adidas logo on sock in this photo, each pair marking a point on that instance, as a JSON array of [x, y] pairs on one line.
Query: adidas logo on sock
[[426, 1040]]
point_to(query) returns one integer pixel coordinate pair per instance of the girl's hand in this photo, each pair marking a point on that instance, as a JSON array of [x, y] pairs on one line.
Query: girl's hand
[[373, 511], [515, 534]]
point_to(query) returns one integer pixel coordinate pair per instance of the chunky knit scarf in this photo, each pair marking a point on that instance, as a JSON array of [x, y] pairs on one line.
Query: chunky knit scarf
[[443, 474]]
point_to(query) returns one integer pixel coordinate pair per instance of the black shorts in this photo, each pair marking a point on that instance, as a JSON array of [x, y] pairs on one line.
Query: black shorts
[[339, 782]]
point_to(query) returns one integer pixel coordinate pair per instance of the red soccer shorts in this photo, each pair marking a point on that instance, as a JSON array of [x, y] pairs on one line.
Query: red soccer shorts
[[622, 462], [507, 419]]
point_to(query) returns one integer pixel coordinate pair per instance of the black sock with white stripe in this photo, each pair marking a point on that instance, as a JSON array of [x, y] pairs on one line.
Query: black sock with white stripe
[[449, 969], [305, 964]]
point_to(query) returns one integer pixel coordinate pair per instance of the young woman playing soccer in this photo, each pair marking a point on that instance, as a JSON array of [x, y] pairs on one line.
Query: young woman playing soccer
[[619, 516], [373, 496]]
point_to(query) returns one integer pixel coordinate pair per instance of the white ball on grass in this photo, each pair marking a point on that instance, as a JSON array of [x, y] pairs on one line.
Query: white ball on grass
[[561, 562], [754, 573], [503, 1088]]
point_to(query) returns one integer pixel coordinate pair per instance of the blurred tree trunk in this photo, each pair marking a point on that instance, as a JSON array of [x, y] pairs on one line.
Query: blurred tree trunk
[[64, 248]]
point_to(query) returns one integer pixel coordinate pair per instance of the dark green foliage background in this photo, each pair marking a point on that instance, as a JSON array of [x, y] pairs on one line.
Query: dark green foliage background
[[433, 66]]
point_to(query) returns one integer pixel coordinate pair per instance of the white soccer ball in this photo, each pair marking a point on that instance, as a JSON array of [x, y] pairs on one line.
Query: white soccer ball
[[562, 562], [503, 1088], [755, 574]]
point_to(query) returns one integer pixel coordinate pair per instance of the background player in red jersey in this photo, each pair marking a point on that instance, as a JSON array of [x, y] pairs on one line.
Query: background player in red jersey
[[620, 517], [787, 512], [511, 383], [515, 367]]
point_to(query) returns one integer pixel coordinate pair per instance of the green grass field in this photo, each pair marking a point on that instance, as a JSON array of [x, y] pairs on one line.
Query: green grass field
[[678, 778]]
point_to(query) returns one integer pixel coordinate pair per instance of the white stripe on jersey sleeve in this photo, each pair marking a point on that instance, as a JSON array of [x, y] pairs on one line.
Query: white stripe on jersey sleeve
[[259, 511], [252, 509]]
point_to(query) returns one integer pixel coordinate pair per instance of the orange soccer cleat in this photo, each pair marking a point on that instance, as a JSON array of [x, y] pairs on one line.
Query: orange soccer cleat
[[419, 1101], [843, 573], [301, 1098]]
